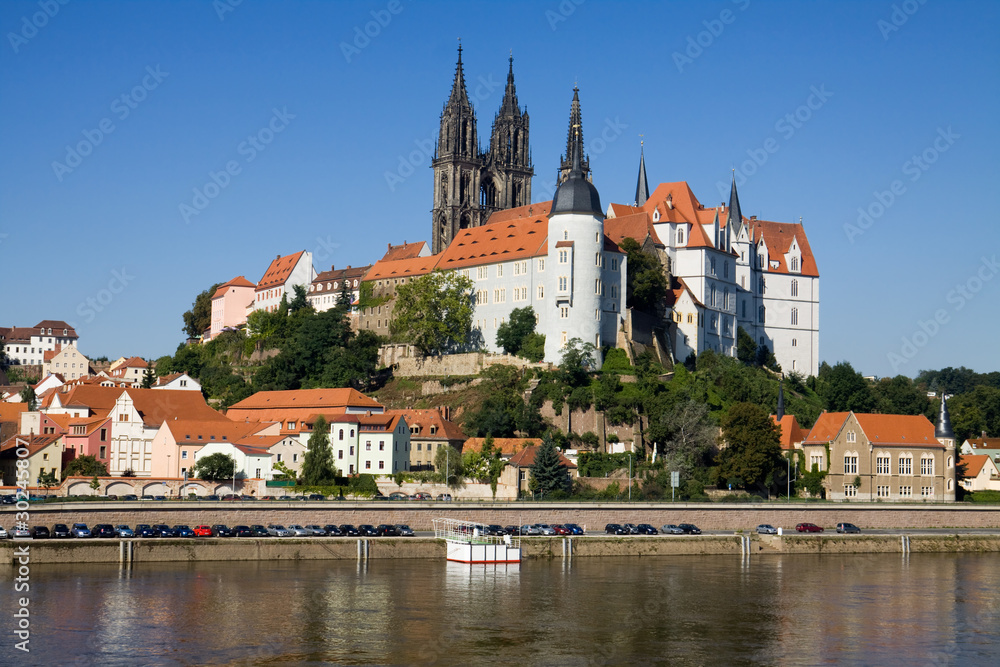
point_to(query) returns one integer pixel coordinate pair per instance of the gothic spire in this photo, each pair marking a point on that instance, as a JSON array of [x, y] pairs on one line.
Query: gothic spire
[[509, 105], [943, 427], [575, 133], [781, 399], [642, 185], [735, 216], [459, 97], [576, 194]]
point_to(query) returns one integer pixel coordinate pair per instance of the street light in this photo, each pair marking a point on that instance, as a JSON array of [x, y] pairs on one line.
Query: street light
[[871, 474], [788, 479]]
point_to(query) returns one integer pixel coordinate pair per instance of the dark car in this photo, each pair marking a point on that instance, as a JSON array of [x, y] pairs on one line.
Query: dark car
[[403, 530], [221, 530], [368, 530], [316, 496], [645, 529], [212, 497], [183, 531], [808, 528], [246, 497], [145, 530], [231, 497], [616, 529], [104, 530], [159, 497], [631, 528], [259, 531], [574, 529], [512, 530], [387, 530], [398, 496], [80, 530], [689, 528], [847, 528], [348, 530], [60, 531], [495, 530], [165, 530], [40, 533], [130, 496], [333, 530], [242, 531]]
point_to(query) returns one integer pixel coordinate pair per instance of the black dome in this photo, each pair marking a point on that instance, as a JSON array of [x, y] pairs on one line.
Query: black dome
[[576, 195]]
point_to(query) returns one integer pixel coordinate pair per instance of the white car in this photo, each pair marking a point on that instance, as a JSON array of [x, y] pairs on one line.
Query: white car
[[21, 534], [766, 529], [4, 535], [279, 531], [299, 531], [545, 529]]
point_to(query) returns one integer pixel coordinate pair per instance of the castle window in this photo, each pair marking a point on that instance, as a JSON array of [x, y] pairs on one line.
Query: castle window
[[852, 436], [565, 235], [795, 264], [597, 286], [597, 259], [882, 464], [680, 235], [926, 465], [712, 265], [482, 272], [563, 256], [760, 315], [795, 288], [499, 270], [906, 464], [563, 283], [614, 263], [541, 264], [795, 342], [564, 312], [541, 291], [795, 316], [851, 463]]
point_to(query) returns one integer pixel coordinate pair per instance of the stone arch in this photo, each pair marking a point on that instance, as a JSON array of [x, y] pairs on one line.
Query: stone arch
[[119, 489], [153, 489], [80, 488], [223, 489], [188, 488]]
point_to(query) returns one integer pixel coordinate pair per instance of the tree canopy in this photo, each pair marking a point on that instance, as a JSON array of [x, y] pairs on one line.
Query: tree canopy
[[85, 466], [517, 335], [548, 473], [753, 447], [199, 317], [434, 312], [645, 284], [317, 464], [216, 467]]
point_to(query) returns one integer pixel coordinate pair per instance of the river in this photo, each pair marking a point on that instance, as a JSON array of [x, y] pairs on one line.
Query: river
[[936, 609]]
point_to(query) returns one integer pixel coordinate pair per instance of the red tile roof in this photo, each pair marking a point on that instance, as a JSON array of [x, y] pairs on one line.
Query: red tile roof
[[404, 251], [238, 281], [791, 432], [402, 268], [425, 419], [635, 226], [911, 430], [778, 238], [279, 271], [526, 458], [495, 242], [154, 405], [985, 443], [507, 446], [298, 405], [826, 428], [11, 412], [973, 463]]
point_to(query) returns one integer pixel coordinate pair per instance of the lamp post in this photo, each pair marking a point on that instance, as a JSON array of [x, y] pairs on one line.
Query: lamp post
[[871, 474], [630, 476], [788, 479]]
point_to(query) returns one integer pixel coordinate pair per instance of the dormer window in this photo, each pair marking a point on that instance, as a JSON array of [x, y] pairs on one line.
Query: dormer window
[[795, 264], [680, 235]]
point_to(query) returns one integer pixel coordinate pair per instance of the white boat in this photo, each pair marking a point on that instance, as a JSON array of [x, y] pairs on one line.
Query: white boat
[[469, 542]]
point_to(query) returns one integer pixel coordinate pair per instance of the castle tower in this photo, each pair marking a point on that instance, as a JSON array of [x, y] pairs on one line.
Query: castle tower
[[506, 178], [641, 185], [576, 237], [575, 131], [946, 436], [457, 166]]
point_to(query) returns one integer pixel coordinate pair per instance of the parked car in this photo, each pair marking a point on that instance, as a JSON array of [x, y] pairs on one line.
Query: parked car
[[145, 530], [202, 531], [317, 530], [37, 533], [159, 497], [512, 530], [689, 528], [212, 497], [332, 530], [4, 535], [266, 498], [766, 529], [242, 531], [631, 528], [495, 530], [130, 496], [299, 531], [421, 495], [221, 530], [574, 529], [122, 530], [560, 529], [248, 497], [20, 533], [165, 530], [528, 529], [808, 528], [103, 530], [183, 531], [387, 530], [446, 497], [367, 530], [60, 531], [545, 529], [78, 530], [316, 496], [671, 529], [615, 529], [286, 497], [403, 530], [111, 496], [645, 529], [277, 530], [396, 495], [847, 528], [259, 531], [348, 530]]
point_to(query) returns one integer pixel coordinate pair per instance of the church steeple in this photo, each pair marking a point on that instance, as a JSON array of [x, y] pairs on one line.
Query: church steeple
[[459, 97], [734, 218], [781, 399], [575, 132], [507, 170], [642, 185], [509, 105], [458, 119], [943, 427]]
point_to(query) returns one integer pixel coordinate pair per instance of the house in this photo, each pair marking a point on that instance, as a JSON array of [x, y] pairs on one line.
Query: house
[[44, 455], [981, 473], [324, 292], [506, 446], [50, 381], [129, 371], [983, 445], [430, 431], [908, 458], [28, 345], [280, 279], [251, 462], [293, 406], [178, 440], [181, 381], [67, 361], [90, 436], [229, 305], [376, 443], [517, 472]]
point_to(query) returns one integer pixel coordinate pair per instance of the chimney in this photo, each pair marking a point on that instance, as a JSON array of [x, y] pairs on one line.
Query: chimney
[[753, 218], [277, 256], [984, 436]]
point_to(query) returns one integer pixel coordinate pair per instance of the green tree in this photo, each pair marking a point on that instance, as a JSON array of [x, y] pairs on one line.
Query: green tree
[[448, 461], [845, 390], [434, 312], [533, 347], [47, 480], [512, 334], [684, 435], [216, 467], [645, 284], [299, 301], [746, 348], [149, 377], [95, 483], [548, 472], [28, 396], [282, 470], [85, 466], [753, 447], [317, 465], [899, 396], [199, 317], [485, 465]]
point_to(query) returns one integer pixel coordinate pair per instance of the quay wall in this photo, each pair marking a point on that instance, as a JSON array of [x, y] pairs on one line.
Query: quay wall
[[592, 516], [340, 548]]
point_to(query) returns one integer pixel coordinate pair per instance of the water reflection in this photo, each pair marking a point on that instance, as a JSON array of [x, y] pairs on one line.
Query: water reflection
[[686, 610]]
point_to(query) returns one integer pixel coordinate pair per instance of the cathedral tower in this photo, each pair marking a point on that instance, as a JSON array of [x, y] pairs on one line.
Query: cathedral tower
[[506, 178], [575, 131]]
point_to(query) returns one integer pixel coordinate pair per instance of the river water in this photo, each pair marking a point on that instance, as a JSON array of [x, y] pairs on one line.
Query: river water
[[936, 609]]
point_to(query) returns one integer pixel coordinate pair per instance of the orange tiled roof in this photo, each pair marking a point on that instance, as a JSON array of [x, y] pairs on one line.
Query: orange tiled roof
[[36, 443], [985, 443], [778, 238], [425, 419], [791, 432], [404, 251], [11, 412], [913, 430], [634, 226], [677, 289], [190, 431], [315, 398], [520, 212], [154, 405], [826, 428], [402, 268], [238, 281], [496, 242], [507, 446], [973, 463], [526, 458], [279, 271]]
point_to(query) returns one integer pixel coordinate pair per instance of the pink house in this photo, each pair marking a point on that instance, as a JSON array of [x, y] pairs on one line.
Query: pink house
[[229, 304], [90, 436]]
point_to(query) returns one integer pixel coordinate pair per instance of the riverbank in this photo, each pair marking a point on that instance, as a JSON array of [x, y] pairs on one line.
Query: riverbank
[[335, 548], [593, 516]]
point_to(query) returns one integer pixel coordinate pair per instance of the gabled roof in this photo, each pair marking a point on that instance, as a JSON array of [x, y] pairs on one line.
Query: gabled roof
[[826, 428], [677, 289], [974, 463], [425, 419], [199, 432], [406, 251], [526, 458], [36, 443], [497, 241], [348, 273], [984, 443], [402, 268], [778, 237], [791, 432], [636, 226], [133, 362], [910, 430], [238, 281], [307, 398], [507, 446], [154, 405], [11, 412], [279, 271]]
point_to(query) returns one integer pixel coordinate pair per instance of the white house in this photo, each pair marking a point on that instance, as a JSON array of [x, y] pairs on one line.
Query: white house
[[283, 274]]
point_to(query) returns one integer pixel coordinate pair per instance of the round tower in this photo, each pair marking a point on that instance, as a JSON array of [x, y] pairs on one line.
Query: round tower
[[575, 253], [946, 436]]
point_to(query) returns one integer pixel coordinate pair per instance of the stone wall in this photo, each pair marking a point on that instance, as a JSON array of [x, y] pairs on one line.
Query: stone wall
[[582, 421], [593, 516], [467, 491], [409, 363]]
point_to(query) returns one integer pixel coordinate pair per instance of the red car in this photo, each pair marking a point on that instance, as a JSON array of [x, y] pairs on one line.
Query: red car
[[202, 531], [808, 528], [561, 530]]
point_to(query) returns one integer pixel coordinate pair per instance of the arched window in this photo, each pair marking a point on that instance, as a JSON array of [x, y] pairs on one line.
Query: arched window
[[795, 288], [795, 316]]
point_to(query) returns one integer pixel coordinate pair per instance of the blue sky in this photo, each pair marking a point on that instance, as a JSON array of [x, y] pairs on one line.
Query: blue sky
[[161, 95]]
